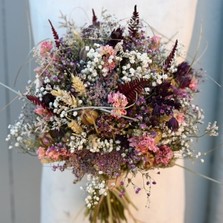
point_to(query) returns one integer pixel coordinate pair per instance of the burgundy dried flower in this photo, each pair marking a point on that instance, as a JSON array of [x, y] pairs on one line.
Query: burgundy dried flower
[[164, 155], [134, 24], [116, 36], [170, 58], [183, 74], [55, 35]]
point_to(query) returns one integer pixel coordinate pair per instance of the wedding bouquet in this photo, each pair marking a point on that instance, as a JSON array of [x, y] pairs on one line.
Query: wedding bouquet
[[108, 102]]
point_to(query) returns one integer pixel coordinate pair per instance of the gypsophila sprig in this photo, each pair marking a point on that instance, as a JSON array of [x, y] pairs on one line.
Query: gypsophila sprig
[[109, 100]]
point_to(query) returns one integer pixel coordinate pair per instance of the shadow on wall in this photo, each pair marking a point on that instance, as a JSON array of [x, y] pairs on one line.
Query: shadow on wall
[[201, 205], [20, 174]]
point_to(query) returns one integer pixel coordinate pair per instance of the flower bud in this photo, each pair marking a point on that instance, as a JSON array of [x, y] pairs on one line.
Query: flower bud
[[173, 124], [88, 117]]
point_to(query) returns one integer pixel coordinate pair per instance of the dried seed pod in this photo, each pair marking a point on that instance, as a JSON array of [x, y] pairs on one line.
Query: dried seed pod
[[88, 117]]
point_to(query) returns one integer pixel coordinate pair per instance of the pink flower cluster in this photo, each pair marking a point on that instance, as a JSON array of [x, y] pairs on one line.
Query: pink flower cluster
[[52, 154], [163, 155], [155, 42], [193, 84], [143, 144], [108, 53], [39, 110], [119, 102], [45, 48]]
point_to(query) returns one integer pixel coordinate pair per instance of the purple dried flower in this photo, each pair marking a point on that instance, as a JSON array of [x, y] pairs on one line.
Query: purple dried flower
[[184, 74], [173, 124]]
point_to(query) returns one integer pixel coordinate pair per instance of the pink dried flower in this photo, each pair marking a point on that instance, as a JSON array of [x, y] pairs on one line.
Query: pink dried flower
[[193, 84], [180, 117], [163, 155], [143, 144], [41, 153], [56, 155], [119, 102], [155, 42], [107, 50], [45, 47], [52, 153], [43, 112], [108, 54]]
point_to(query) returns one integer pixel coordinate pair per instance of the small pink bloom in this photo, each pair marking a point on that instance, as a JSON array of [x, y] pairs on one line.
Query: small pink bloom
[[109, 65], [180, 117], [45, 47], [43, 112], [40, 110], [143, 144], [118, 112], [107, 50], [155, 42], [163, 155], [41, 153], [193, 84], [119, 102], [57, 154], [108, 54]]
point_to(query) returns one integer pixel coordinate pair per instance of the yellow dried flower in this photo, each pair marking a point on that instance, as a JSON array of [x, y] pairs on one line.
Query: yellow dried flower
[[75, 127], [66, 97], [158, 136], [78, 85]]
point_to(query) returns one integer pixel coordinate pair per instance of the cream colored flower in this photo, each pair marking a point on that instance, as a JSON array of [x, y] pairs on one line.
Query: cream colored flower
[[93, 141], [78, 85], [66, 97]]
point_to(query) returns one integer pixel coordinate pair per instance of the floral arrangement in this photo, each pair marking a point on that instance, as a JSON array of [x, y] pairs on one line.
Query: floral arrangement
[[107, 102]]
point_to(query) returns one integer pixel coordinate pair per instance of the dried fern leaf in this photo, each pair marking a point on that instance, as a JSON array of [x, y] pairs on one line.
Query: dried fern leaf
[[134, 24], [133, 88]]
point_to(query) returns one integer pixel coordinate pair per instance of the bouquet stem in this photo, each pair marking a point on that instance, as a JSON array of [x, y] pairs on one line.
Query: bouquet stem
[[111, 208]]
